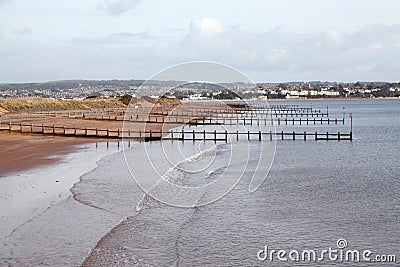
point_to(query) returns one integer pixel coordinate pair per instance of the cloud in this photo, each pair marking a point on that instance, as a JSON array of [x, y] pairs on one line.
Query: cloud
[[120, 6], [23, 31], [206, 27], [3, 2], [276, 54], [115, 38]]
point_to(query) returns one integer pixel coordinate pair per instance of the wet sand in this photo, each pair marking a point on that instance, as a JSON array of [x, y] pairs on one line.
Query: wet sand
[[21, 152]]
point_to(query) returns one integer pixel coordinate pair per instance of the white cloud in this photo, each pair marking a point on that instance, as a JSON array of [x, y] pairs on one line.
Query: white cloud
[[120, 6], [206, 27]]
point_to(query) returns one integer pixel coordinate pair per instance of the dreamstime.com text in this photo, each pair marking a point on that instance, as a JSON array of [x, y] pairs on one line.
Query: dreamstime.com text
[[341, 253]]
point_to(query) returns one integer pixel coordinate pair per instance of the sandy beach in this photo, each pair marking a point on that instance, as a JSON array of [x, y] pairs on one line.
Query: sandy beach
[[23, 151]]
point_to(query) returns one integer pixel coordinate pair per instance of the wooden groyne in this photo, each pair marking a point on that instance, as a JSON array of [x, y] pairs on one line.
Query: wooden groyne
[[109, 123], [173, 135]]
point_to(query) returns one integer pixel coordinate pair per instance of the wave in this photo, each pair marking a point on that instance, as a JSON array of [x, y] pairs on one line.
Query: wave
[[176, 174]]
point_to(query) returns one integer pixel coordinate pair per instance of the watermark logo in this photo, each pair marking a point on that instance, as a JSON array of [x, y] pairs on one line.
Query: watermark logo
[[166, 184], [340, 253]]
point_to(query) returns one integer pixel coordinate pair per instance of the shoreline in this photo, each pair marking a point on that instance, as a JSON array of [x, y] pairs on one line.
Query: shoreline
[[31, 192], [31, 195], [23, 152]]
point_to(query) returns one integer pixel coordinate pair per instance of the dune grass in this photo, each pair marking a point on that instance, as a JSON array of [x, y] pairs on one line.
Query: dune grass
[[18, 104]]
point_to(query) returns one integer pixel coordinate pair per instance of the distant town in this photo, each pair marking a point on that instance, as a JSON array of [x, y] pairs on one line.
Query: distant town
[[82, 89]]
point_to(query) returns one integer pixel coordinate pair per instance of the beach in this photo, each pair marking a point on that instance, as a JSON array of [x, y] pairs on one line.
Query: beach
[[22, 152], [86, 207]]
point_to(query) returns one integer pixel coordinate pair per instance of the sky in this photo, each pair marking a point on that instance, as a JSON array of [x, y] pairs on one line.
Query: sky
[[269, 41]]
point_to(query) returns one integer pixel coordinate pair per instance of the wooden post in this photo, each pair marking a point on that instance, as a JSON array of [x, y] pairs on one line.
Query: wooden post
[[351, 136], [54, 129], [204, 135], [282, 135], [226, 136], [140, 135], [108, 132], [294, 135], [259, 135], [183, 135], [305, 136], [316, 136], [194, 137], [215, 135], [237, 135], [338, 135], [327, 136], [151, 135]]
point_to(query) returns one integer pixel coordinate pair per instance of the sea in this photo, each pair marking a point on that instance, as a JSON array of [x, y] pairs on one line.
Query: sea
[[233, 203]]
